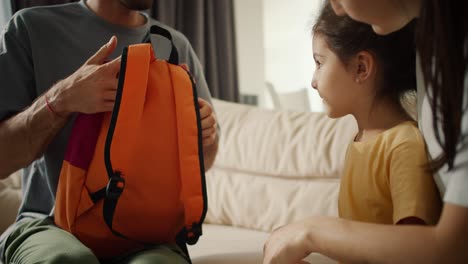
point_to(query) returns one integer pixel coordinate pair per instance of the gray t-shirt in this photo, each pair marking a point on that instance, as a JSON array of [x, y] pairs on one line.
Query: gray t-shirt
[[453, 185], [42, 45]]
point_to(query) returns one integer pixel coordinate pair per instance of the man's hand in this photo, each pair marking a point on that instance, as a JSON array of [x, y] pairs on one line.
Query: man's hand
[[287, 245], [92, 88], [209, 133], [208, 122]]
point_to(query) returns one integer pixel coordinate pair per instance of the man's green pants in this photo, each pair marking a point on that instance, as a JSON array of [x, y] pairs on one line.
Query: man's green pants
[[40, 241]]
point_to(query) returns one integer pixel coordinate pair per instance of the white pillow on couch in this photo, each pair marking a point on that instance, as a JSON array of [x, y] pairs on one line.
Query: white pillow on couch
[[10, 199]]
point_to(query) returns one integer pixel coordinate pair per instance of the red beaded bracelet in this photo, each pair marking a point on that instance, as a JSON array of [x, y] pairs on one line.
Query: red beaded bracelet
[[50, 108]]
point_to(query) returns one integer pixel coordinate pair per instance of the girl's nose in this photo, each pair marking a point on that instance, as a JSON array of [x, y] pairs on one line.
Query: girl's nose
[[314, 84]]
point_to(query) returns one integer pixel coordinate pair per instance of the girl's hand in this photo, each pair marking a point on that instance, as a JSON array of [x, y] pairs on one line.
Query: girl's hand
[[287, 245]]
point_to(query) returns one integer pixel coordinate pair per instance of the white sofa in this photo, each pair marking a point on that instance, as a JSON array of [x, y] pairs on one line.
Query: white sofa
[[10, 199], [273, 168]]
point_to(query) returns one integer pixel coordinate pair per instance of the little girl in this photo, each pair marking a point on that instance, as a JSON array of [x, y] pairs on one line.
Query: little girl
[[361, 73]]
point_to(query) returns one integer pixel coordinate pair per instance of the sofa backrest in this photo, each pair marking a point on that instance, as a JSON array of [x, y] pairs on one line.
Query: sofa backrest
[[275, 167]]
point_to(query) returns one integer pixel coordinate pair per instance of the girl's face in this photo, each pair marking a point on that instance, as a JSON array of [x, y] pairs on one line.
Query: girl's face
[[332, 80], [385, 16]]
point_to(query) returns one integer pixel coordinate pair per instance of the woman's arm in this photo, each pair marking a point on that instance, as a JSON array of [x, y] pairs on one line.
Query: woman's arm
[[354, 242]]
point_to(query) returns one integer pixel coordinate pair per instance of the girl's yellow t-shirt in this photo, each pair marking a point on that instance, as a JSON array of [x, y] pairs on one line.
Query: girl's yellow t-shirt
[[385, 179]]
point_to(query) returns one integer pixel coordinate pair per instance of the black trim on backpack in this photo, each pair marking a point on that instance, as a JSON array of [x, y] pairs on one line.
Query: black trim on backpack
[[157, 30], [183, 236], [196, 229], [111, 193], [98, 195], [113, 190]]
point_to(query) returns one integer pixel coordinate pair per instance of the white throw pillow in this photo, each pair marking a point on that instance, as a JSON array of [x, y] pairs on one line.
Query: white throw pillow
[[10, 199]]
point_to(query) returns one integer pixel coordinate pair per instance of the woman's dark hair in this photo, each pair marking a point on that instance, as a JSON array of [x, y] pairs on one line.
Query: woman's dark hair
[[442, 44], [394, 53]]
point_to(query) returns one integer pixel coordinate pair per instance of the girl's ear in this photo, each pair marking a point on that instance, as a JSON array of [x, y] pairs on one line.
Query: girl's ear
[[365, 66]]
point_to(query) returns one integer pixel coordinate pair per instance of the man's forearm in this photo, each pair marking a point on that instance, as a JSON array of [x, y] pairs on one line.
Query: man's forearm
[[209, 154], [25, 136], [90, 89]]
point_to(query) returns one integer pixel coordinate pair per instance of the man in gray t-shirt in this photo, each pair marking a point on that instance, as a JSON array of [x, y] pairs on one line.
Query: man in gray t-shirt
[[48, 72]]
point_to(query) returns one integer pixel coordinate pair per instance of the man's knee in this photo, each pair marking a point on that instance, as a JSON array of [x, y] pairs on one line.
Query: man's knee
[[39, 241], [161, 254], [77, 256], [57, 256]]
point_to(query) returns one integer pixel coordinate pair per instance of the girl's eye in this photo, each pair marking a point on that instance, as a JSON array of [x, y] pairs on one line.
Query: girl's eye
[[317, 64]]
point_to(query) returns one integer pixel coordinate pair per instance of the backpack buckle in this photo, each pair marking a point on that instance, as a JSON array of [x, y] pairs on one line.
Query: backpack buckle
[[194, 233], [115, 186]]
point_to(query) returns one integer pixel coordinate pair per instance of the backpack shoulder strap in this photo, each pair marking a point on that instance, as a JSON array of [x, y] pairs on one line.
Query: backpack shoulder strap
[[128, 108], [192, 171]]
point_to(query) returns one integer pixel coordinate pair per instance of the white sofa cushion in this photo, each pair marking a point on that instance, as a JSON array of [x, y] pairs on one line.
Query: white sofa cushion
[[231, 245], [275, 167], [284, 144], [10, 199], [264, 203]]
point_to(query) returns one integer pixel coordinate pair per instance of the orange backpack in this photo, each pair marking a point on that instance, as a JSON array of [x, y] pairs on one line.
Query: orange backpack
[[135, 177]]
